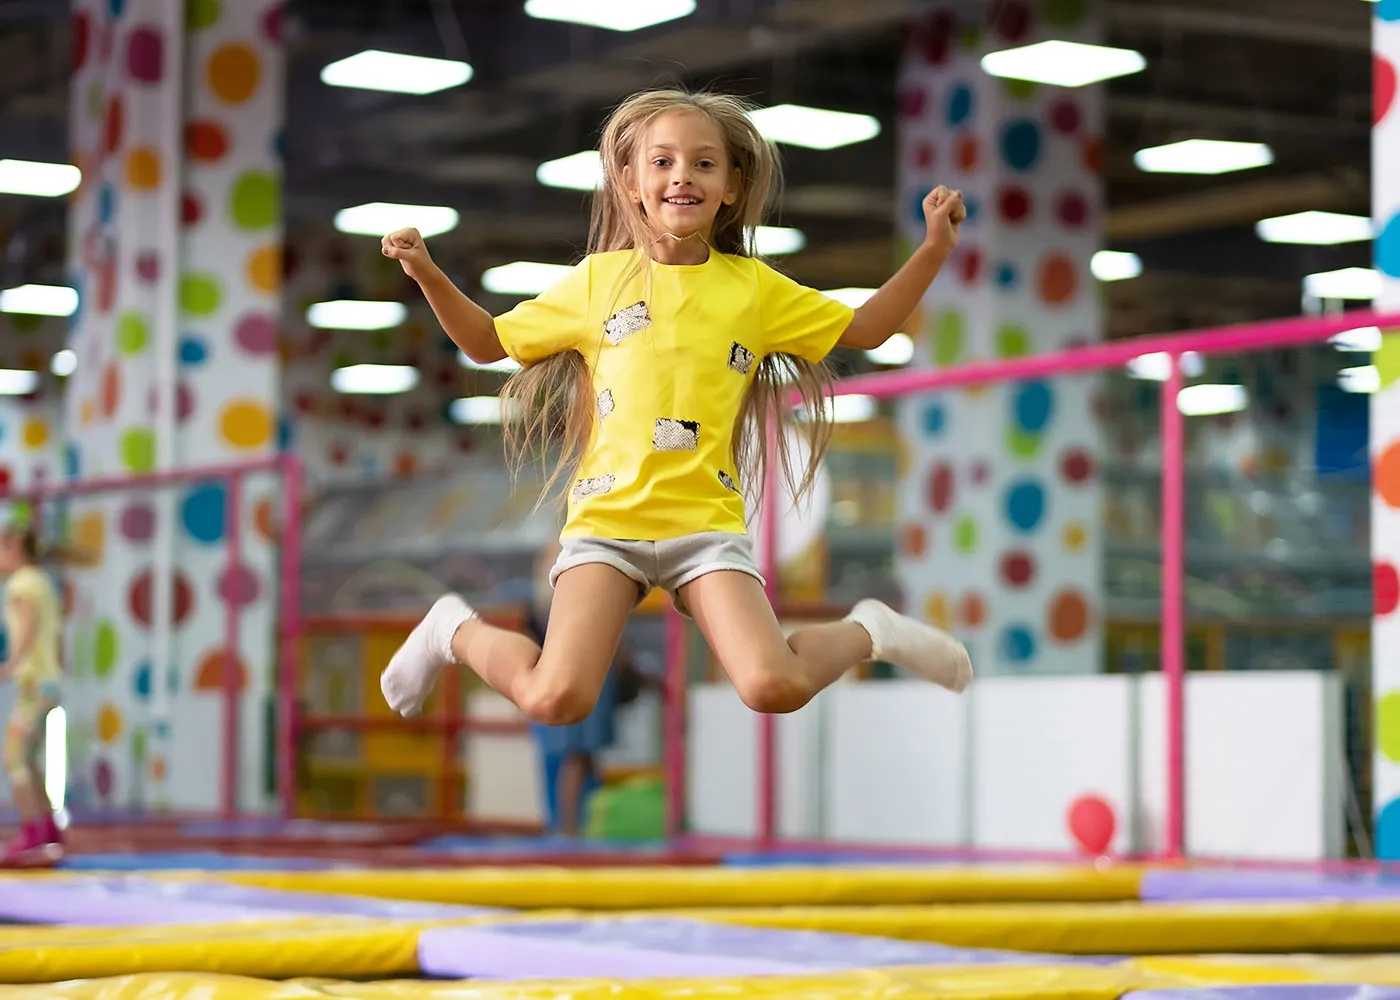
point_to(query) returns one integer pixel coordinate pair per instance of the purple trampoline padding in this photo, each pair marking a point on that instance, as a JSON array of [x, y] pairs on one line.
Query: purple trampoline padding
[[1212, 884], [1289, 991], [623, 949], [138, 901]]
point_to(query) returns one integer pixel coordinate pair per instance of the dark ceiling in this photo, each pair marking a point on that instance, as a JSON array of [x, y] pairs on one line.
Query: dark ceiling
[[1293, 73]]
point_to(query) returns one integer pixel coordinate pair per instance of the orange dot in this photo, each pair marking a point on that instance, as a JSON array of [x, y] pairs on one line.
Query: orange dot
[[1069, 615], [936, 609], [205, 141], [32, 361], [143, 168], [109, 723], [1093, 155], [967, 153], [157, 768], [246, 424], [86, 413], [1057, 279], [973, 610], [264, 519], [209, 676], [1387, 474], [233, 73], [405, 463], [1075, 536], [110, 392], [265, 268], [913, 540]]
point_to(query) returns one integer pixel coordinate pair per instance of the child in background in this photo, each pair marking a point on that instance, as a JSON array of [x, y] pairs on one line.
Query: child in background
[[657, 363], [33, 624]]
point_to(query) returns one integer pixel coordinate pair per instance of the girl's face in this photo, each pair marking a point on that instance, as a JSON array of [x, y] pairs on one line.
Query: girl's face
[[11, 552], [683, 176]]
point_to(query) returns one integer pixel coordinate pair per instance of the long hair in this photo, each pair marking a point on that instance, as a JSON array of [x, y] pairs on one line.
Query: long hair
[[35, 551], [553, 400]]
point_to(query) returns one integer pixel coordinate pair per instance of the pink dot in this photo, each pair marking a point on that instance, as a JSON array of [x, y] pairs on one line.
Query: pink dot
[[184, 401], [144, 55], [981, 472], [940, 488], [256, 333], [1383, 87], [239, 585], [911, 102], [923, 156], [1015, 204], [102, 778], [1064, 117], [1013, 20], [148, 266], [191, 208], [272, 23], [970, 265], [138, 523], [1073, 209]]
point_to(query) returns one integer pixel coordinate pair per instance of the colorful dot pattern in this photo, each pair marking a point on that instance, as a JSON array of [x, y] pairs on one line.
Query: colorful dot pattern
[[227, 276], [1385, 435], [999, 511]]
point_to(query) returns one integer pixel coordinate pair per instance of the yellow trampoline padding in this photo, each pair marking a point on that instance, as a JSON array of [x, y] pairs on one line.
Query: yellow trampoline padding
[[274, 949], [957, 983], [1105, 928], [649, 888], [1219, 970]]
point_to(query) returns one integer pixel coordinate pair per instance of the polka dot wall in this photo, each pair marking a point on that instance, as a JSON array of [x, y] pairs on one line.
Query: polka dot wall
[[999, 509], [1385, 434], [140, 739], [30, 426]]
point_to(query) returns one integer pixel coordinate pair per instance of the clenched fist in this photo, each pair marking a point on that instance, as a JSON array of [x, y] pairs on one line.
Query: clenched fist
[[408, 248]]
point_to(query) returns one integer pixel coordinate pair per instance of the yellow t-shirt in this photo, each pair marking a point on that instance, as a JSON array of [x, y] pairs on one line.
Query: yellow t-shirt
[[672, 352], [41, 662]]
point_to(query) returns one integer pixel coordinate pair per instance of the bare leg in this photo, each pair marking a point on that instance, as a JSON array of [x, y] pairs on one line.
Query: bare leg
[[573, 772], [775, 673], [554, 686]]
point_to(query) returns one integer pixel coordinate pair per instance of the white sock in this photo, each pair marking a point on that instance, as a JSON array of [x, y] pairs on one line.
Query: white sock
[[413, 670], [928, 651]]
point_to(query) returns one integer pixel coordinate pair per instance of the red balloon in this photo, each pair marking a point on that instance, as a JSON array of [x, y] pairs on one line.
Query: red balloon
[[1092, 822]]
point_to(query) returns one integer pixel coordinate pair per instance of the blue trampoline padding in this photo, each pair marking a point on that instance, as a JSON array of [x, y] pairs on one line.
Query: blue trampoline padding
[[1289, 991], [135, 861], [631, 948], [454, 843], [1223, 884], [804, 859]]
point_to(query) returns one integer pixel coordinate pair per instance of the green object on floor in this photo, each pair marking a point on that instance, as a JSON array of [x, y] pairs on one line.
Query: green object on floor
[[632, 810]]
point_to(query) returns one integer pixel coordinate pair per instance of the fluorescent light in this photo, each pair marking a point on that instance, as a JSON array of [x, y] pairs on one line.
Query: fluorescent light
[[64, 363], [1115, 265], [38, 180], [1348, 283], [378, 218], [615, 15], [814, 128], [1362, 379], [476, 410], [577, 171], [851, 409], [1203, 156], [56, 757], [1315, 228], [396, 73], [1063, 64], [504, 365], [774, 240], [376, 380], [18, 381], [1365, 339], [898, 350], [40, 300], [522, 277], [853, 297], [1207, 399], [1155, 367], [352, 314]]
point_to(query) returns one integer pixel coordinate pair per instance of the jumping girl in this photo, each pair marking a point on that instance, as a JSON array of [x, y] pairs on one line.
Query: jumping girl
[[33, 622], [658, 360]]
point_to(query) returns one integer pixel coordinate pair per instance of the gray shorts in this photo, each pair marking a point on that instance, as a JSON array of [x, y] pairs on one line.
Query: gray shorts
[[669, 564]]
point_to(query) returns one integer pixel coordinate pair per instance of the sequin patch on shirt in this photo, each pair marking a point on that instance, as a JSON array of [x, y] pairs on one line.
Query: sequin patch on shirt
[[675, 435], [586, 488], [626, 322]]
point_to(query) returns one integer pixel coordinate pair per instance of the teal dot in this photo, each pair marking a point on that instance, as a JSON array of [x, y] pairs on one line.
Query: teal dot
[[200, 294], [1033, 405], [255, 201]]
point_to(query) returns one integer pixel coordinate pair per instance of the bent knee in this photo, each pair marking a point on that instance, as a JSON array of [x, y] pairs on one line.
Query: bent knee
[[557, 706], [774, 689]]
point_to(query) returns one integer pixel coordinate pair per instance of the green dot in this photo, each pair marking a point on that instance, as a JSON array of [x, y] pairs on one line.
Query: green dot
[[965, 535], [1388, 726], [255, 201], [138, 449], [94, 100], [1022, 444], [25, 322], [200, 294], [131, 333], [948, 337], [1013, 342], [380, 341], [1064, 13], [1387, 359], [971, 38], [1021, 90], [202, 13], [104, 648], [138, 745]]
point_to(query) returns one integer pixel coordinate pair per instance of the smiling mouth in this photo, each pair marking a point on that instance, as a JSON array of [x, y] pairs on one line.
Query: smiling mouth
[[682, 200]]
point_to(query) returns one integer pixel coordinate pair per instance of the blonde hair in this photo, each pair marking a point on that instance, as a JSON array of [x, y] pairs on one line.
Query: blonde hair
[[552, 401]]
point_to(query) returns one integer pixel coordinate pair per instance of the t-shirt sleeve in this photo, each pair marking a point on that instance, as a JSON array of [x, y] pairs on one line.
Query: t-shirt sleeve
[[551, 323], [799, 320], [27, 583]]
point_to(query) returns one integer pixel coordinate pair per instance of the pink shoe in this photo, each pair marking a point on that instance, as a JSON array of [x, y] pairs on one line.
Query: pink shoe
[[39, 843]]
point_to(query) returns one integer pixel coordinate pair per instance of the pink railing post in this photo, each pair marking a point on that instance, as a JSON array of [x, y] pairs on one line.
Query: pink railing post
[[233, 518], [292, 487], [674, 714], [768, 566], [1173, 605]]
